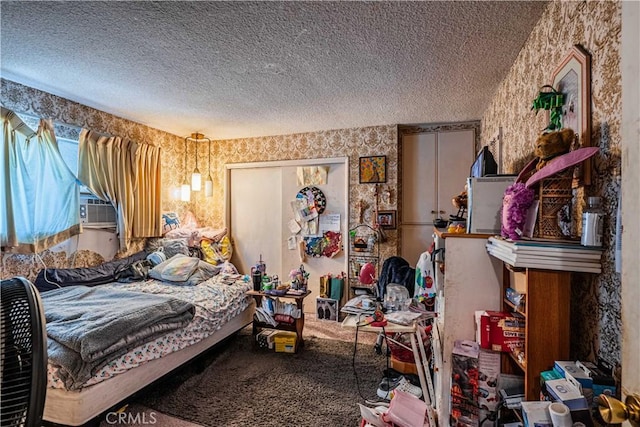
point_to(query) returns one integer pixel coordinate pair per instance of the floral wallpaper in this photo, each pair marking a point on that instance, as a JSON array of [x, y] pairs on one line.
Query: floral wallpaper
[[595, 25], [176, 166], [352, 143], [69, 117]]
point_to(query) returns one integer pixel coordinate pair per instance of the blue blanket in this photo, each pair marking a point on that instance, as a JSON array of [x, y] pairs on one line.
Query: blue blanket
[[89, 326]]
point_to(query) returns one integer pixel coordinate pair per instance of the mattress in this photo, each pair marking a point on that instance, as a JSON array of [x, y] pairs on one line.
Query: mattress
[[217, 301], [78, 407]]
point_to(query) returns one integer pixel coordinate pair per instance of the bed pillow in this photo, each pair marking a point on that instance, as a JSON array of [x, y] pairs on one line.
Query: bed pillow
[[170, 221], [216, 252], [176, 269], [183, 271], [171, 247], [205, 271]]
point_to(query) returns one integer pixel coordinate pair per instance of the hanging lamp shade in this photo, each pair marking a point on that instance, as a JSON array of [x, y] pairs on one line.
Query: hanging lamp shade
[[196, 180], [208, 187], [196, 177], [185, 192], [185, 188]]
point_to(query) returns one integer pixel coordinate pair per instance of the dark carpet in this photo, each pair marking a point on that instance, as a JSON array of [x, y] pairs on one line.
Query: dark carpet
[[242, 385]]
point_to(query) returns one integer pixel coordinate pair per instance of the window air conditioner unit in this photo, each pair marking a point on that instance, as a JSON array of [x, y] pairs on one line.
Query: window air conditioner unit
[[96, 213]]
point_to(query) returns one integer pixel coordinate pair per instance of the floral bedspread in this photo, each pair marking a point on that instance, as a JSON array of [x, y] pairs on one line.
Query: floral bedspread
[[217, 301]]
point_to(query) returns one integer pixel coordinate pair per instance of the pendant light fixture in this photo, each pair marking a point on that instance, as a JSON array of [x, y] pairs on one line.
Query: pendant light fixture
[[185, 188], [196, 178], [208, 184]]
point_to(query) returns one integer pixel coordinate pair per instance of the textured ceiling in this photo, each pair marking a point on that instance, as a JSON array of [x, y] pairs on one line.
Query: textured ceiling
[[241, 69]]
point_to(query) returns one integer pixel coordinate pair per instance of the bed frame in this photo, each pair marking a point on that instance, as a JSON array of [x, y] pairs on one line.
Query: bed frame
[[75, 408]]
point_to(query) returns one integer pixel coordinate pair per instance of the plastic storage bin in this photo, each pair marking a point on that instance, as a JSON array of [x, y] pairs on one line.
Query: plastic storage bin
[[285, 342]]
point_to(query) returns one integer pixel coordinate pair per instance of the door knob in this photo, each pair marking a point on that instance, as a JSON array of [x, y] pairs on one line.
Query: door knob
[[614, 411]]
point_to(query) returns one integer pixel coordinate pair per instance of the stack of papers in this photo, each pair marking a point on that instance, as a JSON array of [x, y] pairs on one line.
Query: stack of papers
[[546, 254], [263, 316], [511, 398], [362, 304]]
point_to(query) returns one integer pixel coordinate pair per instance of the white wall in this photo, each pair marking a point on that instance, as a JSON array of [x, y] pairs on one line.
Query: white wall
[[258, 210]]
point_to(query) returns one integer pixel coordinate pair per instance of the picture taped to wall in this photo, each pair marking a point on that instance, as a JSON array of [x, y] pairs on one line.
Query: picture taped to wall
[[327, 309], [386, 219], [572, 78], [373, 169]]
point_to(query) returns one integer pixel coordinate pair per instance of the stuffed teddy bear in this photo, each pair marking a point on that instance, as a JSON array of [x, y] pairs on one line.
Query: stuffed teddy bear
[[553, 144]]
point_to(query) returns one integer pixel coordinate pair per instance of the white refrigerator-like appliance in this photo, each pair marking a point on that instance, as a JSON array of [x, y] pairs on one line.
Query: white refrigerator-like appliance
[[484, 203]]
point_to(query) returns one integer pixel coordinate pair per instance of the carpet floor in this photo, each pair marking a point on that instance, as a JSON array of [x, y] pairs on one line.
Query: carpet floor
[[242, 385]]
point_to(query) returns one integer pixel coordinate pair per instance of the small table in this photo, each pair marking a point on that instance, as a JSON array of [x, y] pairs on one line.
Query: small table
[[417, 348], [297, 326]]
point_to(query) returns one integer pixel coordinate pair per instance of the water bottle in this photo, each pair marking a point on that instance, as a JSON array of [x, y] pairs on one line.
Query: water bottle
[[592, 223]]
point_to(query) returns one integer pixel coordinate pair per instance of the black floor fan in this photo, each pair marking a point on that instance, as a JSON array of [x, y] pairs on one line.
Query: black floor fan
[[23, 354]]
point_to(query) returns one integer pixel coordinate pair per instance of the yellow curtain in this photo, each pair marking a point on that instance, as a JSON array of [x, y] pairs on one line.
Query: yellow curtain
[[147, 215], [127, 174]]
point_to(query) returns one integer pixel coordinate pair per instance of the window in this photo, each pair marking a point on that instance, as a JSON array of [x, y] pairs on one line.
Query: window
[[27, 224]]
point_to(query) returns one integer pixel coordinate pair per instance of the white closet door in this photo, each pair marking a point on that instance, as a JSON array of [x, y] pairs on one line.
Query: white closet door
[[435, 167], [255, 221], [419, 186], [259, 210], [419, 196], [456, 152]]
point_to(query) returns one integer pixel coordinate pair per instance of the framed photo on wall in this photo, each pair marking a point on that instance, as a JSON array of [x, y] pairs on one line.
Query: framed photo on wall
[[386, 219], [572, 78], [373, 169]]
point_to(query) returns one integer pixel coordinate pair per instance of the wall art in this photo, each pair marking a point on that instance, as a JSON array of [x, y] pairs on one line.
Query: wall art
[[373, 169]]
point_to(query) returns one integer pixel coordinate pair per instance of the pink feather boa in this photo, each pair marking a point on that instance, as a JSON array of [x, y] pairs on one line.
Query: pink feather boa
[[515, 204]]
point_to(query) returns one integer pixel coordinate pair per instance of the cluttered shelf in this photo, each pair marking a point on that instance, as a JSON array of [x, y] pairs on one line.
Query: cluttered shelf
[[521, 364], [516, 309], [364, 260], [291, 313]]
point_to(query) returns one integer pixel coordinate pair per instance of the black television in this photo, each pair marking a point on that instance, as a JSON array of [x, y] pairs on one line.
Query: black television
[[484, 164]]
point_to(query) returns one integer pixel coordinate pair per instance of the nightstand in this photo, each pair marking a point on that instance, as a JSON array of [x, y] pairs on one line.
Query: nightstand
[[297, 326]]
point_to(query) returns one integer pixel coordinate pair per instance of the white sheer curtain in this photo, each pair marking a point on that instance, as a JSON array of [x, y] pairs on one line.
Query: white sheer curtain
[[127, 174], [41, 194]]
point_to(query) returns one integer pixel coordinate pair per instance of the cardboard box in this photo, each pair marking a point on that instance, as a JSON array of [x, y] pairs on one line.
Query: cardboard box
[[536, 414], [603, 382], [464, 383], [501, 331], [569, 368], [265, 338], [544, 377], [518, 281], [576, 376], [563, 391], [489, 369], [285, 342]]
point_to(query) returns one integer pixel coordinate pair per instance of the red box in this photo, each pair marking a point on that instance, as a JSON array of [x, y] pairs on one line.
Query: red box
[[501, 331]]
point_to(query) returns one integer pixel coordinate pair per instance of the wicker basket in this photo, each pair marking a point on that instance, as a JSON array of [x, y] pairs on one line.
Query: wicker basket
[[554, 194]]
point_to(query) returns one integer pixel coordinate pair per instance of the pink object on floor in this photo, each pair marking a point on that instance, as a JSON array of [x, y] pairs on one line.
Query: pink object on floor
[[406, 410]]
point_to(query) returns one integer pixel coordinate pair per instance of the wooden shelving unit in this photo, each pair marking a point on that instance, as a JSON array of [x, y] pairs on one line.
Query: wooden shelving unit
[[547, 331], [363, 248], [297, 326]]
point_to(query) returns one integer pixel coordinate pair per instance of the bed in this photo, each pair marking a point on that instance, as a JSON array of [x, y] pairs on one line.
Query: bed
[[208, 312]]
